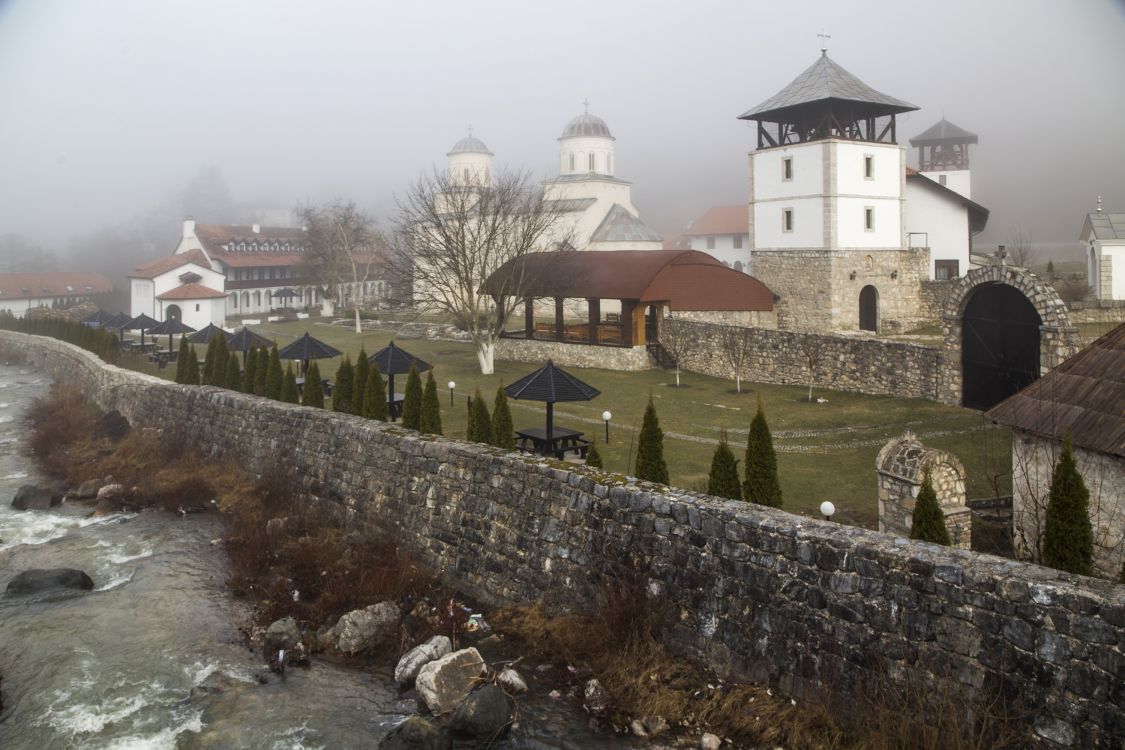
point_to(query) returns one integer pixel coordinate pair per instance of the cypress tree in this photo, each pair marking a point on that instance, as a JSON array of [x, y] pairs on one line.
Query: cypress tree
[[762, 485], [273, 376], [928, 522], [412, 401], [314, 388], [375, 396], [250, 374], [503, 434], [723, 479], [181, 359], [1068, 539], [191, 372], [431, 407], [289, 386], [360, 381], [650, 448], [261, 372], [222, 358], [593, 458], [480, 423], [234, 373], [207, 375], [344, 386]]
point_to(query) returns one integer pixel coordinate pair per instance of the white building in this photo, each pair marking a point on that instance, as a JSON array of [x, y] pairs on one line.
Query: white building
[[942, 220], [724, 232], [1104, 238], [21, 292]]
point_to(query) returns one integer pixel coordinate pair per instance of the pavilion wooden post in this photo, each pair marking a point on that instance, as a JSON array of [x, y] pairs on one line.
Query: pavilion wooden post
[[638, 324], [595, 307], [559, 323], [528, 318], [627, 335]]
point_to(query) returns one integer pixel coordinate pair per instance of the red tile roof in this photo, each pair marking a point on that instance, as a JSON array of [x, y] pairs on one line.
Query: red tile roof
[[214, 236], [191, 291], [164, 265], [722, 220], [58, 284]]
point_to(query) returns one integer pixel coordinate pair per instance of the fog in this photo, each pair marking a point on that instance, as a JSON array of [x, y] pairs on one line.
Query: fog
[[118, 117]]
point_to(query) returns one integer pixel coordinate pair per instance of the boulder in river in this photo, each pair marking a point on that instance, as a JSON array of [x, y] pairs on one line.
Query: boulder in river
[[281, 634], [485, 714], [364, 629], [419, 656], [444, 683], [416, 734], [511, 681], [39, 496], [88, 490], [36, 580], [596, 698]]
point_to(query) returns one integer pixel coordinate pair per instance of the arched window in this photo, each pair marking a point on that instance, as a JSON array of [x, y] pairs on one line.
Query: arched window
[[592, 167], [609, 164], [572, 162], [257, 299], [738, 266], [486, 177], [245, 299], [466, 174], [233, 301]]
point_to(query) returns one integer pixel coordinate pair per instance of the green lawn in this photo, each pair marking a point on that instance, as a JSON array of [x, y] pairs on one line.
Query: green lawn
[[826, 451]]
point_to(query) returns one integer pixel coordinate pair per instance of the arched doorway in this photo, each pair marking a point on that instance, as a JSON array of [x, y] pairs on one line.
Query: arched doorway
[[869, 309], [1000, 345], [172, 312]]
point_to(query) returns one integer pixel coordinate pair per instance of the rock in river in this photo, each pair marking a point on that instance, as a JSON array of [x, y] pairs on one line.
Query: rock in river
[[363, 629], [282, 634], [416, 734], [36, 580], [444, 683], [419, 656], [485, 714], [39, 496]]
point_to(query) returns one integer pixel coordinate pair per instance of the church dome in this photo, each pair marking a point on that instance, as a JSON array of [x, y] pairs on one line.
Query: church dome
[[586, 125], [469, 145]]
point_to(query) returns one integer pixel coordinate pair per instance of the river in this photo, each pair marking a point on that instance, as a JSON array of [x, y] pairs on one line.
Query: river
[[114, 668]]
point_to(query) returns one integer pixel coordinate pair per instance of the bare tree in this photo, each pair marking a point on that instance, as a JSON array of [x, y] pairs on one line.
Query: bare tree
[[450, 238], [344, 247], [812, 349], [679, 341], [1021, 248], [736, 348]]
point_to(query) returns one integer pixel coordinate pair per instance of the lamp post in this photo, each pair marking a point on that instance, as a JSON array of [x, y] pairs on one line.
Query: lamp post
[[452, 385], [606, 415], [827, 509]]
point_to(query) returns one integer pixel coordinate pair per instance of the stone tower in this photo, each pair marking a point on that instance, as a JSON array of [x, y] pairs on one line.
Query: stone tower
[[826, 204], [943, 155]]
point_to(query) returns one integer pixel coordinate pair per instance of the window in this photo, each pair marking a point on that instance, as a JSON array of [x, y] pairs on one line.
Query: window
[[738, 266], [868, 167], [944, 270], [869, 219], [572, 162], [787, 220], [941, 179], [197, 307], [608, 164], [592, 169], [710, 243], [738, 242], [787, 168], [466, 174]]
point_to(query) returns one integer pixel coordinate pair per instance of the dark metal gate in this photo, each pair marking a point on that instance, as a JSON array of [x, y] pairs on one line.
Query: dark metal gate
[[868, 309], [999, 345]]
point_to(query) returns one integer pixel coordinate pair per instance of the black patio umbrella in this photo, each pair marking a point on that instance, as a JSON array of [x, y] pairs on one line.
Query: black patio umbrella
[[117, 321], [208, 332], [285, 293], [552, 385], [98, 319], [391, 361], [243, 340], [306, 348], [171, 326], [143, 322]]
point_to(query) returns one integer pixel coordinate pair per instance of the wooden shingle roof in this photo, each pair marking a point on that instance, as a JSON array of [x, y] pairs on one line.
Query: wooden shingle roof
[[1084, 397]]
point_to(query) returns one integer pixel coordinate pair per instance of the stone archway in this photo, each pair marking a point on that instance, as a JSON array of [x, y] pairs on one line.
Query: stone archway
[[1058, 339]]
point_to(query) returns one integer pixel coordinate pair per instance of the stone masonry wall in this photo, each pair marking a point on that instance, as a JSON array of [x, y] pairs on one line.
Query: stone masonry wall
[[845, 362], [752, 592], [623, 358], [1097, 311]]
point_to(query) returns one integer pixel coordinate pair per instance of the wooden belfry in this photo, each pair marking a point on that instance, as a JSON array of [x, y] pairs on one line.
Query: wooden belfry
[[943, 147], [826, 101]]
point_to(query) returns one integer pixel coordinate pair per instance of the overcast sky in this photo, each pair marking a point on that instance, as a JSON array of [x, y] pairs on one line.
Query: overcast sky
[[108, 106]]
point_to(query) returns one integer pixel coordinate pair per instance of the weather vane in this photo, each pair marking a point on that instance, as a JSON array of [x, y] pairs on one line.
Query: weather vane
[[824, 42]]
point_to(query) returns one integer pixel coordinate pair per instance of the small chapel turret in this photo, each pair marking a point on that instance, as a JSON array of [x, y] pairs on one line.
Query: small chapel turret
[[943, 155], [470, 162], [586, 147]]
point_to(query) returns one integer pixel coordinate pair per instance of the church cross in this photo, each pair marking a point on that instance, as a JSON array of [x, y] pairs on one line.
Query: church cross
[[824, 42], [586, 104], [470, 131]]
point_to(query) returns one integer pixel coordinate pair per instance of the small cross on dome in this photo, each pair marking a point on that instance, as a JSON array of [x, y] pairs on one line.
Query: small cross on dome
[[824, 42], [586, 106]]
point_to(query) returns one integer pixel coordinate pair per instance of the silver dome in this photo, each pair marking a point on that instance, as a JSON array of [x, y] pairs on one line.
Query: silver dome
[[586, 125], [469, 145]]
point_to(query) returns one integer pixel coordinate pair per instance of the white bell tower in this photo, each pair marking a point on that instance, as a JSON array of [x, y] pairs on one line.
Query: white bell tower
[[470, 162]]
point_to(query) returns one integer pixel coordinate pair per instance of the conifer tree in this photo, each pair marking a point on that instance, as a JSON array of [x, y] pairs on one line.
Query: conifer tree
[[412, 401], [261, 372], [650, 448], [431, 407], [503, 434], [928, 522], [289, 386], [234, 373], [273, 376], [191, 371], [222, 356], [181, 359], [593, 458], [344, 386], [375, 396], [762, 485], [250, 374], [360, 381], [314, 388], [480, 423], [1068, 539], [723, 479], [207, 374]]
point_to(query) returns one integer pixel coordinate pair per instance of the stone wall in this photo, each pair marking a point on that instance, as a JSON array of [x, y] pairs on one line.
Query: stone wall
[[1097, 311], [932, 298], [741, 318], [573, 354], [900, 468], [859, 363], [754, 593]]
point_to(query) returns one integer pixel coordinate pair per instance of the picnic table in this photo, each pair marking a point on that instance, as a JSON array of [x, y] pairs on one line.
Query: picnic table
[[563, 441], [327, 386], [138, 348]]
